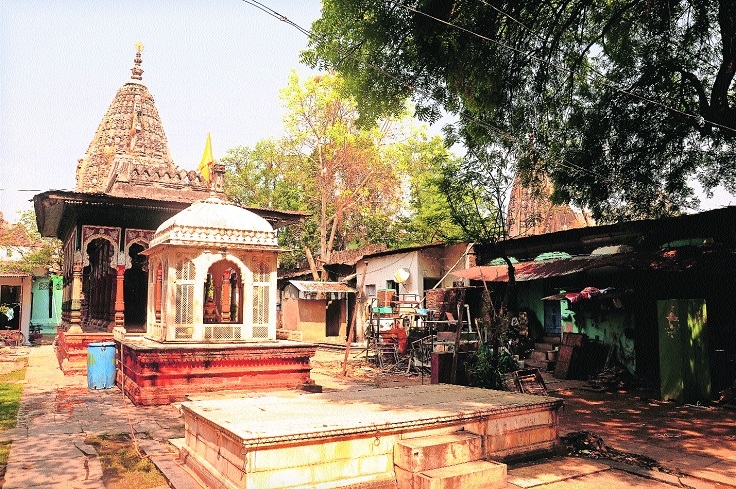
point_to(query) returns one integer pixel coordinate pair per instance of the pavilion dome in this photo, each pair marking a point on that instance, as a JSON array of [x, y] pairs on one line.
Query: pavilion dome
[[216, 222]]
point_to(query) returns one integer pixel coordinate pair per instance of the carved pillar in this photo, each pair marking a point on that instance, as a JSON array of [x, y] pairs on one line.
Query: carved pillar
[[226, 288], [159, 283], [119, 298], [75, 313]]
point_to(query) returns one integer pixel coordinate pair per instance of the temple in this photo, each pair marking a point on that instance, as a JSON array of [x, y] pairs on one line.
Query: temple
[[127, 185], [211, 321], [531, 211]]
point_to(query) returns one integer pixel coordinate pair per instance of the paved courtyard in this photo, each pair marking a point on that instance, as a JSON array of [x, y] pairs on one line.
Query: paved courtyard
[[696, 443]]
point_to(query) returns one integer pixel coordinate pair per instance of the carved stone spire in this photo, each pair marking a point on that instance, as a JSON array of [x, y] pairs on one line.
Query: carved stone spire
[[137, 71], [129, 154]]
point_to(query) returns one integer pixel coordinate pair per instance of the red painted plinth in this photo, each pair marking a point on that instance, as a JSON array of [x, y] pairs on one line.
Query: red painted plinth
[[160, 373], [71, 350]]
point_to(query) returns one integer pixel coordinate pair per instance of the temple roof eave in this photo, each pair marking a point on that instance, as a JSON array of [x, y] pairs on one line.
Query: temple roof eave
[[54, 208]]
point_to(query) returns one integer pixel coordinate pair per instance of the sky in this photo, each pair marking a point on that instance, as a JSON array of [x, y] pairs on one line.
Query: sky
[[211, 65]]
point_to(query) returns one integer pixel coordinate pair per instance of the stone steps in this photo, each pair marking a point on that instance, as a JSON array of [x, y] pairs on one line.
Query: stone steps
[[470, 475], [446, 462]]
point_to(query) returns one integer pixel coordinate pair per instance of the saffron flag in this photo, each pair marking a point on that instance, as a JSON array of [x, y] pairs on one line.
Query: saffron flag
[[205, 166]]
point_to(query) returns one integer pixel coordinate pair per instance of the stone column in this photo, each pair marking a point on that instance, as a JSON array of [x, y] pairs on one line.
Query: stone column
[[75, 313], [225, 299], [157, 292], [119, 297]]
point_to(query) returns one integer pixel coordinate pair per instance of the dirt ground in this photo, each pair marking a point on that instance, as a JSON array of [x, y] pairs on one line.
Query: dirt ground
[[329, 363], [634, 420]]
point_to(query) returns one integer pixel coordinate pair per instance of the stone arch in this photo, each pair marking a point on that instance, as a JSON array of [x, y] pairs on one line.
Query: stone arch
[[135, 289], [223, 292], [99, 282], [91, 233], [140, 237]]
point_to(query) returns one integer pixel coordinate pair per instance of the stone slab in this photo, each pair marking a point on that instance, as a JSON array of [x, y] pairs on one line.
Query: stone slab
[[52, 471], [470, 475], [610, 478], [154, 373], [552, 470], [268, 419]]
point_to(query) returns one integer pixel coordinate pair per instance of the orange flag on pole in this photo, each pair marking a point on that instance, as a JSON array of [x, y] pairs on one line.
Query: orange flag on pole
[[205, 166]]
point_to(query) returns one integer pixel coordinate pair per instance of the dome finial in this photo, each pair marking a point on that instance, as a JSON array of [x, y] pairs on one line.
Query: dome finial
[[137, 71]]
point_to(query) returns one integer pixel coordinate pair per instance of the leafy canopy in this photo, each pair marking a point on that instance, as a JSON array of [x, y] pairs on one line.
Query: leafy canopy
[[622, 103], [361, 185], [24, 240]]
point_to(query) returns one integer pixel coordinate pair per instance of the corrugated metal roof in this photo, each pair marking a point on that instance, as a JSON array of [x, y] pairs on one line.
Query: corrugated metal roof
[[324, 287], [721, 260], [12, 274], [531, 270]]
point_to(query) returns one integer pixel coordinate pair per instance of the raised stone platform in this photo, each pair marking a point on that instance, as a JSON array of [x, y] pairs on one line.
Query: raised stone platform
[[400, 437], [71, 350], [153, 373]]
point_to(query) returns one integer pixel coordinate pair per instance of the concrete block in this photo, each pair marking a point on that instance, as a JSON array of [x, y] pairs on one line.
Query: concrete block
[[404, 478], [375, 464], [294, 476], [521, 438], [333, 471], [272, 458], [518, 421], [420, 454], [471, 475]]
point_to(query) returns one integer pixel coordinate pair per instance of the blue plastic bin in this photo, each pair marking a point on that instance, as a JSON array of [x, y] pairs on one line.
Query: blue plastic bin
[[101, 365]]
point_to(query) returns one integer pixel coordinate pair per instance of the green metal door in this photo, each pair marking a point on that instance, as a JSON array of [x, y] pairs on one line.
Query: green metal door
[[684, 367]]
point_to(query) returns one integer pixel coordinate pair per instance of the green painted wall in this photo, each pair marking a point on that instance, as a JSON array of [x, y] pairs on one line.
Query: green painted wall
[[529, 295], [612, 327], [47, 297]]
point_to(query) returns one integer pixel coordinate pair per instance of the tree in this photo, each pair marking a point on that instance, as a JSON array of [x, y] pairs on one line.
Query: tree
[[24, 240], [264, 177], [362, 186], [427, 216], [342, 160], [622, 103]]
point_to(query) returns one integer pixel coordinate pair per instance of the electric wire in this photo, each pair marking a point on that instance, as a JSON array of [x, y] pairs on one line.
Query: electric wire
[[311, 35], [275, 14], [560, 163]]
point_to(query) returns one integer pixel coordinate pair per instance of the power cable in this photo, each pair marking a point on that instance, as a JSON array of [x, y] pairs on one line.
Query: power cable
[[311, 35], [275, 14]]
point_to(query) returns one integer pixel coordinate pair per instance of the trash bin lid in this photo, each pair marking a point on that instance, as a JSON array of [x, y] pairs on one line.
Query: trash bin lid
[[101, 344]]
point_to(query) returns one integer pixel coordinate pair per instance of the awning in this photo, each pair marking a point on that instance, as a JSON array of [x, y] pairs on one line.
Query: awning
[[533, 270], [321, 287], [710, 260], [586, 293]]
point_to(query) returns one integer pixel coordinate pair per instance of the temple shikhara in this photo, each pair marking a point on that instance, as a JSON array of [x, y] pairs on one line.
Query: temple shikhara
[[531, 211]]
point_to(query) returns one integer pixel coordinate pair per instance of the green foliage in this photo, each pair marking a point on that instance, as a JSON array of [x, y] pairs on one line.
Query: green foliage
[[361, 185], [4, 454], [10, 394], [486, 369], [36, 252], [623, 104]]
